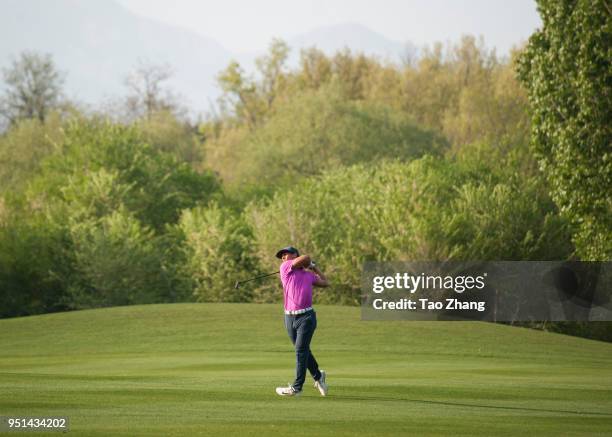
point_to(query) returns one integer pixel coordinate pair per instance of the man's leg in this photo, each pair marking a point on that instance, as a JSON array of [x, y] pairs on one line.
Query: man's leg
[[289, 319], [313, 366], [305, 326], [292, 331]]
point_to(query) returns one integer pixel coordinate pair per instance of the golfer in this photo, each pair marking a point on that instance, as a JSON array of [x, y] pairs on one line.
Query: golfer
[[298, 274]]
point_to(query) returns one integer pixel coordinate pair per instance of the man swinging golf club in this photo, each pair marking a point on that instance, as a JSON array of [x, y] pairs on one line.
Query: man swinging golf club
[[298, 275]]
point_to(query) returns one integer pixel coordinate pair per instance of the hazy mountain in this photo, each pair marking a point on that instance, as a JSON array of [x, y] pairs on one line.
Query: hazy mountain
[[98, 42], [355, 36]]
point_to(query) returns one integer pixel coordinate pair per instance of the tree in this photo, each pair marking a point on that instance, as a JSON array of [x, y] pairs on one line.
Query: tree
[[33, 87], [493, 108], [30, 260], [315, 68], [116, 262], [240, 94], [270, 67], [350, 70], [251, 100], [317, 130], [97, 159], [147, 94], [23, 148], [166, 132], [217, 244], [409, 55], [566, 69]]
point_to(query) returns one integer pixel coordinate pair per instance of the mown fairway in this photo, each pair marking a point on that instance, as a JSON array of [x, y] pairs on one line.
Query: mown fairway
[[211, 369]]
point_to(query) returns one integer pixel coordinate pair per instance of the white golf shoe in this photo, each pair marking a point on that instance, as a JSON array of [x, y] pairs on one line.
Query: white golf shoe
[[321, 385], [287, 391]]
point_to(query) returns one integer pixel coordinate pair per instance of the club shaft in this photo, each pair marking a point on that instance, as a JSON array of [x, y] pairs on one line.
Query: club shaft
[[257, 277]]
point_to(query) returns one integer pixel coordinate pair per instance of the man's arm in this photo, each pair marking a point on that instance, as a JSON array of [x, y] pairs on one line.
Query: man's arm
[[321, 280], [301, 262]]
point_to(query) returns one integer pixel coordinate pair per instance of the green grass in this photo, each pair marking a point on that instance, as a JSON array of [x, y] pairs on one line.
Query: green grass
[[211, 369]]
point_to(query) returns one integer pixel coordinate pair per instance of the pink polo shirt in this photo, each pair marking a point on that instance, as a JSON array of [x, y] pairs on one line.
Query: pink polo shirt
[[297, 286]]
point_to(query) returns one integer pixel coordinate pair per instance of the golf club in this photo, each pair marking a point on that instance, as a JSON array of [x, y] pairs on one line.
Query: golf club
[[238, 283]]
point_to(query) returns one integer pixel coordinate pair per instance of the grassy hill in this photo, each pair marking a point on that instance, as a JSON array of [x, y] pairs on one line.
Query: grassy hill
[[211, 369]]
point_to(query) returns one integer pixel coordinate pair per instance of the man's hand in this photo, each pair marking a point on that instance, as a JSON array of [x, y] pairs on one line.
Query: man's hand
[[321, 281]]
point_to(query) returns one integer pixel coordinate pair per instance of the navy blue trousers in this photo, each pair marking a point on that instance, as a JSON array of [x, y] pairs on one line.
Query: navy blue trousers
[[301, 328]]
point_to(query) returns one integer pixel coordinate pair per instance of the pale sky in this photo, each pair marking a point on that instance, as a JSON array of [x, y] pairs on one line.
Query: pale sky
[[249, 25]]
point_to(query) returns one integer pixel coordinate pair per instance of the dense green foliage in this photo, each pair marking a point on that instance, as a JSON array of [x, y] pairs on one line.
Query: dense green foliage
[[23, 148], [344, 156], [317, 131], [567, 70], [217, 249], [90, 227], [116, 262], [101, 165], [430, 209], [30, 260]]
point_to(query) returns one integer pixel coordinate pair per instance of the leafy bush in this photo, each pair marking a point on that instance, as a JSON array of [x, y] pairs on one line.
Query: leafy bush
[[90, 228], [429, 209], [117, 262], [31, 265], [218, 252]]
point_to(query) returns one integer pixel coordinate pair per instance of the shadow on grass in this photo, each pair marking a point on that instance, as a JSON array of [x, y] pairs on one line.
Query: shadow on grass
[[458, 404]]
